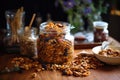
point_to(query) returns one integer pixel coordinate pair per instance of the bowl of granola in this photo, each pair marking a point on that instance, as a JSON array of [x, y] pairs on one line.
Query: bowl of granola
[[110, 55]]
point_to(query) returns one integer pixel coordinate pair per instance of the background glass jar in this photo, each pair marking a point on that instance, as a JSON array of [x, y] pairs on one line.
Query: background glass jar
[[28, 42], [55, 43], [14, 23], [100, 31]]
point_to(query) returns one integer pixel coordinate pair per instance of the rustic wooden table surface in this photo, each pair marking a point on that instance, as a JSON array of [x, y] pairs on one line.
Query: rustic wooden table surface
[[107, 72]]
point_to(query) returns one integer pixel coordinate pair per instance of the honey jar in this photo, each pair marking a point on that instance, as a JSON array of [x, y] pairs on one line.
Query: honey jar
[[100, 31]]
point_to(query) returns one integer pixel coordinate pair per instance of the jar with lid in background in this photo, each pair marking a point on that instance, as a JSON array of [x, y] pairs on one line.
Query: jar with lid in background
[[14, 24], [101, 32], [28, 42], [55, 43]]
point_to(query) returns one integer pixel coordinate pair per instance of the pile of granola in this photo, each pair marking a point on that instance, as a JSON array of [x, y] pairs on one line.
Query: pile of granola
[[80, 66]]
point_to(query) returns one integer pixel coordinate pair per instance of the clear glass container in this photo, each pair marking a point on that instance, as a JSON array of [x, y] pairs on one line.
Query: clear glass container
[[28, 43], [14, 23], [101, 32], [55, 43]]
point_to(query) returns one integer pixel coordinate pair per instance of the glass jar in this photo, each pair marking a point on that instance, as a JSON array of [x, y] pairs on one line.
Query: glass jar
[[28, 43], [100, 31], [55, 43], [14, 23]]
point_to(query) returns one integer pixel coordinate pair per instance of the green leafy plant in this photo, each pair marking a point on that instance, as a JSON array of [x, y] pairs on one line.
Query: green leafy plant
[[81, 13]]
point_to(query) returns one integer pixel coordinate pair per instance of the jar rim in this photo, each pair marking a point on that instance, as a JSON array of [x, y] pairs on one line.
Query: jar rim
[[67, 28]]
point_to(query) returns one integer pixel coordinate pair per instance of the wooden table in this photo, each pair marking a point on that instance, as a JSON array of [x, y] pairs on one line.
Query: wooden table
[[107, 72]]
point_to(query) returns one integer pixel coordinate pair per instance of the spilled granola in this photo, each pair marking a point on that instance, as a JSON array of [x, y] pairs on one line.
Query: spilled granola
[[79, 67]]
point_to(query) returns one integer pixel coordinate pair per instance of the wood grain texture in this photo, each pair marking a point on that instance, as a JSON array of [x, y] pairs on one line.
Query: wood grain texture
[[107, 73]]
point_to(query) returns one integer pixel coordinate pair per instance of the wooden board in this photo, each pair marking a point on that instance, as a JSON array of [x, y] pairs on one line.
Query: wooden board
[[89, 45], [79, 45]]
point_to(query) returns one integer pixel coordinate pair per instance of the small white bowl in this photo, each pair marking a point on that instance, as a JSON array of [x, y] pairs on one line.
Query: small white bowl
[[105, 59]]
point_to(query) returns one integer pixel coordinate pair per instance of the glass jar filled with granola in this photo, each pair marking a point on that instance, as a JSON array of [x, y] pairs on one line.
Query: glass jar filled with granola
[[55, 43], [28, 42]]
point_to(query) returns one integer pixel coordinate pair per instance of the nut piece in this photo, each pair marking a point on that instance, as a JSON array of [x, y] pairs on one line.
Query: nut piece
[[68, 72], [34, 75]]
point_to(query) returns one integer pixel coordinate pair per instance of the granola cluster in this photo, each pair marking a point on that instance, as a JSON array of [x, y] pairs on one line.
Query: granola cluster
[[26, 63], [53, 47], [80, 66], [110, 53]]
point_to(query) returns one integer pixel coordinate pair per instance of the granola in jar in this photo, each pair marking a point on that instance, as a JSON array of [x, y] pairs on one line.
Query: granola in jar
[[55, 43], [28, 43]]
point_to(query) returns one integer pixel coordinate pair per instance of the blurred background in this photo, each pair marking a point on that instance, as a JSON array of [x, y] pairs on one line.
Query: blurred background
[[47, 10]]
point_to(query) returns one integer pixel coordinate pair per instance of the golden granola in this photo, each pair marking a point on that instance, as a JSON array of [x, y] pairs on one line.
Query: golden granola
[[110, 53], [52, 45], [79, 67]]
